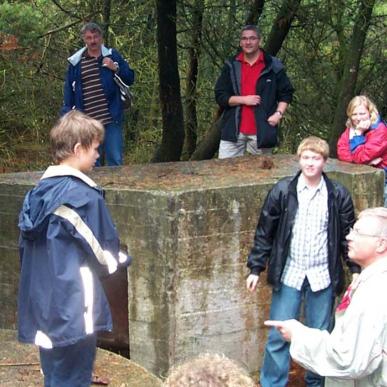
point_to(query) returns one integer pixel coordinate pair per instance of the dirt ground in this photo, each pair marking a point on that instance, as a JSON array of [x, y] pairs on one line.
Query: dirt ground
[[19, 366]]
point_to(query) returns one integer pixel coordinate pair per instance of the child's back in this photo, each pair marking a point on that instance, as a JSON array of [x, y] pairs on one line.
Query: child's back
[[67, 241], [65, 227]]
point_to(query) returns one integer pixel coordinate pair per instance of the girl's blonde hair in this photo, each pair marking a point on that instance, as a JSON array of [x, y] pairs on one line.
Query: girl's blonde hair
[[361, 100]]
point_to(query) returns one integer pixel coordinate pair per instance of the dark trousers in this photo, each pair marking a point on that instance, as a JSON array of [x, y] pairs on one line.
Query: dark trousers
[[69, 366]]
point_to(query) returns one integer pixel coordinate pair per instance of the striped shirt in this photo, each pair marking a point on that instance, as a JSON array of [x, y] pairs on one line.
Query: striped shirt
[[308, 255], [94, 100]]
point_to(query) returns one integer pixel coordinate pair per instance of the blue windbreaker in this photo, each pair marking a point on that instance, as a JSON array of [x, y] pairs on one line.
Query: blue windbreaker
[[67, 241], [73, 94]]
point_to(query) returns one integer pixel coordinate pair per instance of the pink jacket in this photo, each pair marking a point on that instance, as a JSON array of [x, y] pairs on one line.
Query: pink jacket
[[365, 148]]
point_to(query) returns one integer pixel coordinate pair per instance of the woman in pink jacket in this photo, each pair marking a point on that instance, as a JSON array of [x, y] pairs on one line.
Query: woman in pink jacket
[[364, 140]]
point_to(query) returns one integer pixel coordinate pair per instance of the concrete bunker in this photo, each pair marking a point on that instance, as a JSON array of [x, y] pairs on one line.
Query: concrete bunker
[[189, 226]]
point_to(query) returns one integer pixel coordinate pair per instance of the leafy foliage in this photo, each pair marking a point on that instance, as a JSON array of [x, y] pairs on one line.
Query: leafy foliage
[[46, 32], [17, 18]]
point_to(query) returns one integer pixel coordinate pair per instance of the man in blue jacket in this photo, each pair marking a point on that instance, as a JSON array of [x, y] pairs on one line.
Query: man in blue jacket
[[253, 91], [90, 88]]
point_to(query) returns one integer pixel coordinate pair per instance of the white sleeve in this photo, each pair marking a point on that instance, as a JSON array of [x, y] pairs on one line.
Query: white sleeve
[[352, 351]]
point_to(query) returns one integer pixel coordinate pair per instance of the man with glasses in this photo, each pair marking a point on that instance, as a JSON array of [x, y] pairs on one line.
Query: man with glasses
[[355, 353], [253, 91], [300, 238]]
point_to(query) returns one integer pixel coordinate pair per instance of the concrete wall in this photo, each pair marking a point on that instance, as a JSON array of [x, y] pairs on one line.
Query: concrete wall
[[189, 227]]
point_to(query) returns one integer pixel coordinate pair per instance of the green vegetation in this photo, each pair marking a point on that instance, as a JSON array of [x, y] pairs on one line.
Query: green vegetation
[[36, 37]]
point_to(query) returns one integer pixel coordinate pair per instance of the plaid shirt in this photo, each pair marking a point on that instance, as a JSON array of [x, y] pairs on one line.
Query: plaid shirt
[[308, 256]]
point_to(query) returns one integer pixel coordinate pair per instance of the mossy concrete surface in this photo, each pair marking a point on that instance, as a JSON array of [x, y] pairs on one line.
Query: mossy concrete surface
[[189, 227]]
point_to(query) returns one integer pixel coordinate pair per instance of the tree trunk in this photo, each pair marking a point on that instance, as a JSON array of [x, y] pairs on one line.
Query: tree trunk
[[255, 12], [170, 99], [106, 20], [191, 122], [383, 107], [210, 144], [347, 84], [281, 26]]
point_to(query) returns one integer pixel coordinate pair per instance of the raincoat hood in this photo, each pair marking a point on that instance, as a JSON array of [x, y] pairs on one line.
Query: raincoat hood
[[52, 192]]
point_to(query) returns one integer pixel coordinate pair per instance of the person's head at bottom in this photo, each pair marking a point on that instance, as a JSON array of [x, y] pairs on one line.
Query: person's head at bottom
[[209, 370]]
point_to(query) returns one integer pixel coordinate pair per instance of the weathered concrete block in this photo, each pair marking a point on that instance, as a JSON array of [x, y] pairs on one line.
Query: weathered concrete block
[[189, 227]]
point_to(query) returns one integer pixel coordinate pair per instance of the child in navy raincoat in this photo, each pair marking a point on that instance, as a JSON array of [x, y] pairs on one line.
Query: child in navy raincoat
[[67, 241]]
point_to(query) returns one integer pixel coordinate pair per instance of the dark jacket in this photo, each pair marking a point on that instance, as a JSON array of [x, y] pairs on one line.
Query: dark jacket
[[67, 241], [274, 231], [73, 94], [273, 86]]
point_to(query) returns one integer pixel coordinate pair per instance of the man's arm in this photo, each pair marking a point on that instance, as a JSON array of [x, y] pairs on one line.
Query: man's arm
[[252, 282], [275, 118], [264, 235], [123, 70], [223, 88], [226, 95], [285, 89], [352, 351], [284, 93], [68, 92], [346, 212], [249, 100]]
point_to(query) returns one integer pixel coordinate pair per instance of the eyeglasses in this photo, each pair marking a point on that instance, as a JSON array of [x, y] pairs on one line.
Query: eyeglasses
[[357, 233], [249, 38]]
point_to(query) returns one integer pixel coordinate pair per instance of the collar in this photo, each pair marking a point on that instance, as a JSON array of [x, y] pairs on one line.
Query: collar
[[376, 123], [241, 58], [75, 58], [301, 184], [379, 266], [65, 170]]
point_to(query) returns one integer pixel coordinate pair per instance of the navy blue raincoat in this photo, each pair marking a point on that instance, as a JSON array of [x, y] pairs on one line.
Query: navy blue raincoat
[[67, 242]]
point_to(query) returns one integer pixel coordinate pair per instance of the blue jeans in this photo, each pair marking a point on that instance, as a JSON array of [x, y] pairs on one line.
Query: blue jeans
[[286, 304], [111, 149], [69, 366]]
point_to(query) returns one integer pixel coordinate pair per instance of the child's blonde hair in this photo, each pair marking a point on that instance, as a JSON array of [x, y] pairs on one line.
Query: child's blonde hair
[[314, 144], [74, 127]]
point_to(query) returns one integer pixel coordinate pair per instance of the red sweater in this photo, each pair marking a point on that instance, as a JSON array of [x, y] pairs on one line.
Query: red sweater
[[375, 146]]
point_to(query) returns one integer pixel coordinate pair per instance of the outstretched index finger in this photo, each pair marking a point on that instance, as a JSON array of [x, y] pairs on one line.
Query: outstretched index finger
[[274, 323]]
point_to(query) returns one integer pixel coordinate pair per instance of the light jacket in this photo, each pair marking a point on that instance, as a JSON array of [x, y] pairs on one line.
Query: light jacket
[[273, 86], [364, 148], [73, 94], [355, 353], [275, 225], [67, 241]]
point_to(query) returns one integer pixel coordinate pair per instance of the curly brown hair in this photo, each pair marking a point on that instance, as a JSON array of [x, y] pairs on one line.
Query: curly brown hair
[[209, 370]]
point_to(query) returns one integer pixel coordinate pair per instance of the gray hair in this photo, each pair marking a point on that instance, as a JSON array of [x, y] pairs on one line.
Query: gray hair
[[92, 27], [251, 27], [380, 215]]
